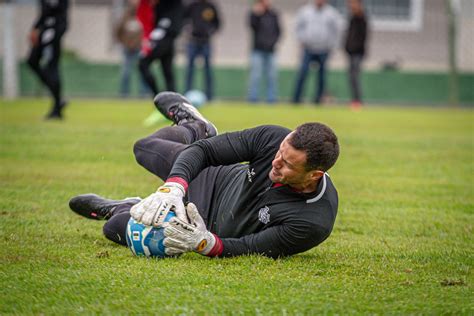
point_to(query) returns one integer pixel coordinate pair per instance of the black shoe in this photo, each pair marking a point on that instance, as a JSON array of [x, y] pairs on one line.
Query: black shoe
[[56, 112], [178, 109], [54, 115], [62, 105], [96, 207]]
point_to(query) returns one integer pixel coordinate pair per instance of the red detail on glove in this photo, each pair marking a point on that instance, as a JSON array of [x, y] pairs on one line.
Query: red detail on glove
[[179, 180], [217, 249]]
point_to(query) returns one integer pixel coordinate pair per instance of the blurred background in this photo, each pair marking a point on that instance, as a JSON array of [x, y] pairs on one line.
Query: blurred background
[[419, 52]]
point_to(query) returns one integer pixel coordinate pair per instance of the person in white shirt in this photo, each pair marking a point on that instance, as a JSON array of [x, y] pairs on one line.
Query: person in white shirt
[[318, 27]]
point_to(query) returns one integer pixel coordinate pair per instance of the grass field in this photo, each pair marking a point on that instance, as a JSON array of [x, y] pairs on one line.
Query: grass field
[[402, 242]]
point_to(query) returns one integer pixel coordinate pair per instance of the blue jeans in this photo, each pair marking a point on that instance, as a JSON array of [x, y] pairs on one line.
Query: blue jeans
[[262, 63], [308, 58], [130, 58], [203, 50]]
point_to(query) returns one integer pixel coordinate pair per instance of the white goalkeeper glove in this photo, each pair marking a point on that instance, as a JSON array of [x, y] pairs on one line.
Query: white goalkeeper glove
[[181, 236], [152, 210]]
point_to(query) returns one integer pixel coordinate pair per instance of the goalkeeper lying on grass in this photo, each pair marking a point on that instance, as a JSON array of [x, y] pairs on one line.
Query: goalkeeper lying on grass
[[280, 203]]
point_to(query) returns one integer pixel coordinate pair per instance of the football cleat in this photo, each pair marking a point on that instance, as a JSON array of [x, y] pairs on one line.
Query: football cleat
[[178, 109], [96, 207], [56, 112], [53, 115]]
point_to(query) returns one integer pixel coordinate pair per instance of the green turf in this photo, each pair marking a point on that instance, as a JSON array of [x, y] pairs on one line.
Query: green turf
[[402, 242]]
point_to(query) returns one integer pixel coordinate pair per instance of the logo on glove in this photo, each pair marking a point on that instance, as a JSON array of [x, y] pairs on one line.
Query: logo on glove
[[202, 245], [164, 190]]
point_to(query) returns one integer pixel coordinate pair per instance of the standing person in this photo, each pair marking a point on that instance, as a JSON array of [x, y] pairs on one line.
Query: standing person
[[317, 28], [45, 39], [355, 43], [205, 21], [281, 202], [265, 26], [129, 34], [168, 22]]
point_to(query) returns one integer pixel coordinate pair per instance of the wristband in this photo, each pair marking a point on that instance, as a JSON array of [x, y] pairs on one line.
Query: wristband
[[217, 249], [179, 181]]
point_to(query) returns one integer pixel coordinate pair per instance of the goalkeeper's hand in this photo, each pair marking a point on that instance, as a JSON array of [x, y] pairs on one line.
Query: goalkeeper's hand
[[182, 236], [152, 210]]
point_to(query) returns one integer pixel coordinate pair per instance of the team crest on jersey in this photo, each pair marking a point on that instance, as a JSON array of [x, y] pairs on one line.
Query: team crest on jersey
[[250, 174], [264, 215]]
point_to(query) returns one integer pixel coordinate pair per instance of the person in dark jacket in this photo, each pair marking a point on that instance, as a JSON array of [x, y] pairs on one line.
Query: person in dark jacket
[[204, 20], [45, 39], [355, 44], [279, 203], [265, 26], [160, 45]]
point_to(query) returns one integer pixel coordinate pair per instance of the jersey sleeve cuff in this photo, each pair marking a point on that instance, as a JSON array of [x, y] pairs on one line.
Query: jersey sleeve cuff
[[179, 180]]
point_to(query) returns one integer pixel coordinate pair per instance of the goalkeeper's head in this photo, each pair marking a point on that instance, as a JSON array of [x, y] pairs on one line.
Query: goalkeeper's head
[[304, 156], [319, 143]]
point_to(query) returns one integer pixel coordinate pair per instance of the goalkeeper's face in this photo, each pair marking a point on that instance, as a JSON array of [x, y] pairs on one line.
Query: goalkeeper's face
[[289, 167]]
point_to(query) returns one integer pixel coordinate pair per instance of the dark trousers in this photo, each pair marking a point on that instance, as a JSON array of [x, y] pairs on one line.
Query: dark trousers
[[308, 59], [44, 61], [157, 154], [355, 62], [164, 51], [203, 50]]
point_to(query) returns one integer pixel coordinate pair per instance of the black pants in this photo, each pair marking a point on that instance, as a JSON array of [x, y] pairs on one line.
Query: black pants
[[44, 61], [164, 51], [157, 153], [355, 61]]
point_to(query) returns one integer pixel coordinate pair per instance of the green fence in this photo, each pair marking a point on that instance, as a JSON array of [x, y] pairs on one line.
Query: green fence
[[82, 79]]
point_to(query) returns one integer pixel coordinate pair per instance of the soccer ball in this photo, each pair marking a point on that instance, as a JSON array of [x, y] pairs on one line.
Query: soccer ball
[[147, 240], [196, 97]]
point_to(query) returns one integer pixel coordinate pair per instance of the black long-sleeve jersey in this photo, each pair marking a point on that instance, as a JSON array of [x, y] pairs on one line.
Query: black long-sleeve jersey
[[250, 213], [53, 14]]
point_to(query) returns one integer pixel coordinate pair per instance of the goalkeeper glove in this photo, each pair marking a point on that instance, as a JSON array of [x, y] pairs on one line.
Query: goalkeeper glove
[[152, 210], [181, 236]]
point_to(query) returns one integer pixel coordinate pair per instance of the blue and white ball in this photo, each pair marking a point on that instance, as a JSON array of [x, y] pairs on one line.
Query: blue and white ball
[[147, 240], [196, 97]]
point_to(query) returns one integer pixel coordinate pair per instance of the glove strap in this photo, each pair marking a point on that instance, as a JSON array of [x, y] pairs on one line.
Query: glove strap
[[217, 249], [178, 182]]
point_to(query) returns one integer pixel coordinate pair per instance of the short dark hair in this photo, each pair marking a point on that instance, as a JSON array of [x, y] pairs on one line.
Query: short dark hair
[[320, 144]]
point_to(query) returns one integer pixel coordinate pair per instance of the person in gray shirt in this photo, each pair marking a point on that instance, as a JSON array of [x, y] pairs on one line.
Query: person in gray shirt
[[318, 28]]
